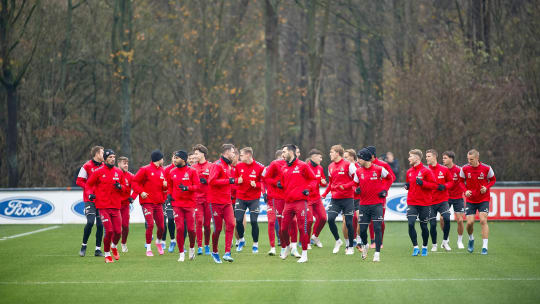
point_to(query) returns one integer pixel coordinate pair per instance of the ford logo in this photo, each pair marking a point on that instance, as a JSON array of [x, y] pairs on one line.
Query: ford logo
[[25, 207], [398, 204], [78, 208]]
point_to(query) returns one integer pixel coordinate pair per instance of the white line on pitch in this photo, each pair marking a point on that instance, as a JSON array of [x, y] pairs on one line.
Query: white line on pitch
[[28, 233], [266, 281]]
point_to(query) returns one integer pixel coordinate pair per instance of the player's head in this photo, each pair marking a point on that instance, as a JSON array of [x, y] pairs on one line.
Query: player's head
[[191, 159], [336, 153], [236, 156], [200, 153], [364, 157], [157, 158], [431, 157], [227, 151], [473, 157], [297, 152], [289, 152], [110, 157], [448, 158], [350, 155], [389, 157], [246, 155], [415, 157], [315, 156], [279, 154], [181, 158], [173, 157], [123, 163], [96, 153], [373, 151]]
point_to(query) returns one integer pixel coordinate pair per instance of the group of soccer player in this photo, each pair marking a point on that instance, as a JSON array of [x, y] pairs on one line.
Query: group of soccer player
[[191, 193]]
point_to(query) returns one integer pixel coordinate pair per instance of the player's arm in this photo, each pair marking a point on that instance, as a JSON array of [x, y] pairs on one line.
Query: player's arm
[[92, 182], [82, 178], [214, 179], [386, 178], [449, 180], [491, 178], [328, 187], [429, 181], [352, 173], [139, 180], [195, 181], [391, 173]]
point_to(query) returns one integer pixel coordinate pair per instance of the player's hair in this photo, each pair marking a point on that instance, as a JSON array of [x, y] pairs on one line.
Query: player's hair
[[95, 150], [353, 153], [416, 152], [227, 147], [290, 147], [314, 152], [450, 154], [123, 158], [247, 150], [474, 152], [200, 148], [190, 154], [432, 151], [278, 154], [338, 149]]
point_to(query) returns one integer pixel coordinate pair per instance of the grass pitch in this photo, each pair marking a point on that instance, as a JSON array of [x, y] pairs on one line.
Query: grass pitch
[[45, 268]]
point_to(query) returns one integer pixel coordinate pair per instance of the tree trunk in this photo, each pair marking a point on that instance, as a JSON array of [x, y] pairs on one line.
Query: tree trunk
[[11, 136], [271, 75]]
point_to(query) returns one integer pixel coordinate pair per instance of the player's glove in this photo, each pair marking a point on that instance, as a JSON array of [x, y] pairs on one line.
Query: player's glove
[[441, 187], [383, 193], [118, 186], [183, 188], [231, 180], [130, 200], [406, 186], [419, 182], [358, 190], [203, 181], [305, 192], [92, 197], [279, 185]]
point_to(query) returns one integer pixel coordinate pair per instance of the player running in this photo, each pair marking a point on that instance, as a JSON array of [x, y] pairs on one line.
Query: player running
[[107, 191], [126, 199], [420, 182], [248, 176], [90, 211], [477, 179], [350, 156], [151, 185], [168, 215], [455, 194], [439, 199], [202, 212], [314, 200], [372, 182], [341, 184]]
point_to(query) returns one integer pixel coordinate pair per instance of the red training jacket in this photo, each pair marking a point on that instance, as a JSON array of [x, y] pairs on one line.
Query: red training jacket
[[127, 181], [203, 170], [102, 185], [314, 192], [272, 174], [420, 195], [372, 181], [249, 172], [84, 174], [185, 176], [296, 178], [442, 177], [150, 179], [456, 191], [341, 173], [473, 178], [219, 190]]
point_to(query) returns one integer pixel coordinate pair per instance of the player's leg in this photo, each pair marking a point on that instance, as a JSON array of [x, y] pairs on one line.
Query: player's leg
[[304, 220], [423, 217], [164, 236], [459, 215], [333, 210], [239, 212], [470, 211], [179, 217], [365, 219], [190, 227], [171, 227], [433, 225], [288, 214], [383, 225], [91, 217], [199, 223], [124, 213], [371, 235], [116, 220], [148, 211], [254, 210], [483, 214], [228, 218], [159, 220], [271, 214], [412, 214], [348, 214], [216, 212], [207, 225], [320, 220], [106, 220], [377, 218], [445, 218]]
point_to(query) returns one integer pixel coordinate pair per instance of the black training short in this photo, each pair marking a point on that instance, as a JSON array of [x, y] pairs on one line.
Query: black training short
[[242, 205], [422, 212], [441, 208], [90, 209], [345, 205], [457, 204], [370, 213], [356, 204], [481, 207]]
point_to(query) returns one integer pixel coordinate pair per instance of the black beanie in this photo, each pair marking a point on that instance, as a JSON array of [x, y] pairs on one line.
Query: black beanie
[[156, 155], [182, 154], [107, 153], [364, 154], [372, 150]]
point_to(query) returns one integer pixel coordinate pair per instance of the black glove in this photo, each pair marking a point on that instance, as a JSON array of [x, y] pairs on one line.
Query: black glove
[[279, 185], [231, 180], [383, 193], [441, 187], [419, 182], [358, 190], [183, 188], [305, 192], [406, 186], [203, 181], [118, 186], [130, 200], [91, 197]]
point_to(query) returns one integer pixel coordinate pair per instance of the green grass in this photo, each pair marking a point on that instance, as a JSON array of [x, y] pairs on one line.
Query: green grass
[[52, 256]]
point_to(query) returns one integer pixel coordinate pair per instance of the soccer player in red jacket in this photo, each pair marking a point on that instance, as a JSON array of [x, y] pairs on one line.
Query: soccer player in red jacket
[[455, 194], [372, 184], [439, 199], [150, 183], [90, 211], [341, 184], [297, 179], [350, 156], [202, 212], [183, 182], [107, 191], [477, 179], [314, 199], [385, 165], [168, 214], [127, 198], [420, 182], [248, 175], [220, 183]]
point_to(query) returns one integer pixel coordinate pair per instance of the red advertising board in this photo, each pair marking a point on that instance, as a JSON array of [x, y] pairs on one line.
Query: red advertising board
[[519, 203]]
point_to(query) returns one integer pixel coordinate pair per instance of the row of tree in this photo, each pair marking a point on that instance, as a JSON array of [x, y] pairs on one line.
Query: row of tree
[[146, 74]]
